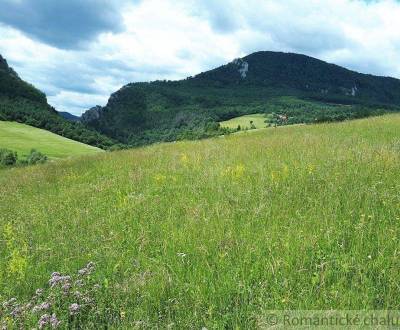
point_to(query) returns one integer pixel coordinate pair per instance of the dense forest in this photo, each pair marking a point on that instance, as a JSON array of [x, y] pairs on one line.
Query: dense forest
[[22, 102], [305, 89]]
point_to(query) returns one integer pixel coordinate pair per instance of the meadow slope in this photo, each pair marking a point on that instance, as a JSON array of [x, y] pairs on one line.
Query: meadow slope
[[258, 120], [22, 138], [214, 233]]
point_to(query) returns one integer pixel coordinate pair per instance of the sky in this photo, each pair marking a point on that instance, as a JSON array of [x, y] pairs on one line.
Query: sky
[[80, 51]]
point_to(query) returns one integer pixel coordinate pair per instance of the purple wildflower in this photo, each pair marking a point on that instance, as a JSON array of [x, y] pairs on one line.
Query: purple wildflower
[[42, 307], [16, 312], [54, 321], [56, 278], [66, 287], [87, 270], [43, 321], [74, 309]]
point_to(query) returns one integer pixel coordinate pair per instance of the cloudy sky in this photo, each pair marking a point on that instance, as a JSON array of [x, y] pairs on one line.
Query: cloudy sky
[[80, 51]]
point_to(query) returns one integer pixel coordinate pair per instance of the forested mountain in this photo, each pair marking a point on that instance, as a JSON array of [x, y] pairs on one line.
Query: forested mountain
[[68, 116], [22, 102], [303, 88]]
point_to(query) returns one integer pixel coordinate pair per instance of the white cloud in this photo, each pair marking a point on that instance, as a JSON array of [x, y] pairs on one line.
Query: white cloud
[[172, 39]]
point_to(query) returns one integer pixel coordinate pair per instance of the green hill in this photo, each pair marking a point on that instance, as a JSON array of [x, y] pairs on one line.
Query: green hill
[[304, 88], [22, 138], [212, 233], [22, 102]]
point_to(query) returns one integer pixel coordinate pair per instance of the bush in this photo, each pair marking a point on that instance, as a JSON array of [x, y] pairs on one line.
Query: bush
[[8, 157], [36, 157]]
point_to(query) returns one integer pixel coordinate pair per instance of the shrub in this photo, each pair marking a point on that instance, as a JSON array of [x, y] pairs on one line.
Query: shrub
[[8, 157], [36, 157]]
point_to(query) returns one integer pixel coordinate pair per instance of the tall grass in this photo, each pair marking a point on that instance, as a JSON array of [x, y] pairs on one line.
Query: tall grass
[[213, 233]]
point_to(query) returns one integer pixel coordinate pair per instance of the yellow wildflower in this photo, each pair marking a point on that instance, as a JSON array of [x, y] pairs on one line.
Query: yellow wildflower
[[234, 172], [160, 178], [185, 160], [311, 168]]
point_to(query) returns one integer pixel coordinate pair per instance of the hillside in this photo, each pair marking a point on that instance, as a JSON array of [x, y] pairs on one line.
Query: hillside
[[23, 138], [213, 233], [68, 116], [22, 102], [263, 82]]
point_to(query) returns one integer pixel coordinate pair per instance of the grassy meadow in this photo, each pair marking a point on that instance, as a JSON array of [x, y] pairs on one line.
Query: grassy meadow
[[214, 233], [22, 138], [258, 120]]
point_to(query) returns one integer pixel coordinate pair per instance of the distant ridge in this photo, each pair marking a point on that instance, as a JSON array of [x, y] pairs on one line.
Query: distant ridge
[[142, 113], [68, 116]]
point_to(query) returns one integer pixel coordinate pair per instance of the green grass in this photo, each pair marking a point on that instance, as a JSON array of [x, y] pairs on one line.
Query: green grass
[[214, 233], [22, 138], [244, 121]]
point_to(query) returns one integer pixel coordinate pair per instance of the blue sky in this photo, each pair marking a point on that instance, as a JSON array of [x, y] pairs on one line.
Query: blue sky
[[80, 51]]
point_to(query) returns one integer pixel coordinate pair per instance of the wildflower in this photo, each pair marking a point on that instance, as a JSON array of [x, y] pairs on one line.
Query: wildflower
[[122, 314], [160, 178], [57, 278], [310, 169], [87, 270], [16, 312], [66, 287], [184, 160], [234, 172], [54, 322], [42, 307], [74, 309], [238, 171], [43, 321]]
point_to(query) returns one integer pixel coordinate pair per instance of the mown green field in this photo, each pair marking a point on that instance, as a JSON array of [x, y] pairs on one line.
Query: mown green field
[[22, 138], [216, 232], [258, 120]]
